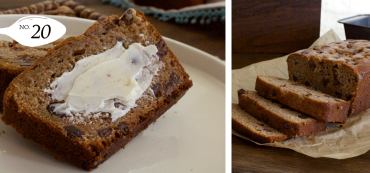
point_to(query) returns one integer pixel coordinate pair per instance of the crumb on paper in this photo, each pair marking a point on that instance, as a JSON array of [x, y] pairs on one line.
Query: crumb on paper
[[311, 138], [175, 111], [152, 129], [191, 170], [341, 125], [3, 131], [161, 149], [326, 129], [163, 117]]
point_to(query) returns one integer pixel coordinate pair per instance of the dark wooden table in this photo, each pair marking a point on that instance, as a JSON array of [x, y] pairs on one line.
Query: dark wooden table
[[249, 157], [209, 38]]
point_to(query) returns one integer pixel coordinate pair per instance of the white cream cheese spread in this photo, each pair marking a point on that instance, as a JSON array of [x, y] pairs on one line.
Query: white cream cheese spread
[[108, 82]]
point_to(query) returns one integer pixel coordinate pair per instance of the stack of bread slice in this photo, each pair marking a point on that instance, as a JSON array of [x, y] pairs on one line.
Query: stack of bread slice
[[289, 107]]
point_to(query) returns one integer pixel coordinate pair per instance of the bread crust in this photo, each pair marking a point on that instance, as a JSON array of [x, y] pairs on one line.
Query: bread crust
[[320, 110]]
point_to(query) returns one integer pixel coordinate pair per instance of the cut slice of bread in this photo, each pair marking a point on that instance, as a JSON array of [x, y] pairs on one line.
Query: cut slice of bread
[[303, 98], [15, 58], [249, 126], [28, 108], [278, 116]]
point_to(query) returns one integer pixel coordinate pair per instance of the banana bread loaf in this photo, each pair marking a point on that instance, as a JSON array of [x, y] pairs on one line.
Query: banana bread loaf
[[15, 58], [259, 131], [278, 116], [339, 69], [84, 137], [303, 98]]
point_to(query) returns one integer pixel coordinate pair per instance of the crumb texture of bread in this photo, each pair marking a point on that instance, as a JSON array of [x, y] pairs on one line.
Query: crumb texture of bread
[[27, 106], [340, 69], [249, 126], [15, 58], [303, 98], [278, 116]]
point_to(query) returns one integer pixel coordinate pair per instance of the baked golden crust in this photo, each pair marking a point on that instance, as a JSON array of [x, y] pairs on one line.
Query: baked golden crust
[[88, 145]]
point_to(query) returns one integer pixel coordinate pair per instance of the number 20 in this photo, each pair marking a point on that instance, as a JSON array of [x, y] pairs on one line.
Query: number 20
[[42, 32]]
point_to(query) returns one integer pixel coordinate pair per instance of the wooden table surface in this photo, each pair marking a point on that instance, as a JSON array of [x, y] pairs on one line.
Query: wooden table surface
[[249, 157], [209, 38]]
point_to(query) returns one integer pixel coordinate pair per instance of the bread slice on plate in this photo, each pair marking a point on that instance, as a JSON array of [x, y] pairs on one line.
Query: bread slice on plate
[[247, 125], [15, 58], [303, 98], [93, 93], [278, 116]]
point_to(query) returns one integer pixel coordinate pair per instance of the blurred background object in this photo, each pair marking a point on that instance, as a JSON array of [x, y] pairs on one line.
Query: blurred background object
[[209, 38], [184, 11], [268, 29]]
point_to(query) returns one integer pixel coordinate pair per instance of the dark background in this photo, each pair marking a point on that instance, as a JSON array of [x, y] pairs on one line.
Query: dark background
[[267, 29]]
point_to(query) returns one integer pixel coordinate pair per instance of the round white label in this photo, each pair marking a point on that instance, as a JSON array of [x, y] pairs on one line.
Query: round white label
[[35, 30]]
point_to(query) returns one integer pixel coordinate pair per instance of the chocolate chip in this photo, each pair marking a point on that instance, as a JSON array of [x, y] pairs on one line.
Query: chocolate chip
[[268, 130], [120, 105], [280, 79], [349, 97], [349, 46], [338, 94], [307, 83], [105, 132], [169, 89], [10, 44], [289, 127], [115, 21], [267, 94], [302, 116], [325, 81], [295, 84], [73, 131], [240, 92], [309, 94], [284, 85], [157, 89], [261, 124], [79, 52], [265, 119], [295, 78], [51, 108], [123, 127], [162, 48], [119, 39], [174, 78], [108, 27], [311, 64], [304, 52]]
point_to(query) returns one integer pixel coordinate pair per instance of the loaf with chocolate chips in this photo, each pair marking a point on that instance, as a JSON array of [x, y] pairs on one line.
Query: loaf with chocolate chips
[[339, 69], [15, 58], [29, 109]]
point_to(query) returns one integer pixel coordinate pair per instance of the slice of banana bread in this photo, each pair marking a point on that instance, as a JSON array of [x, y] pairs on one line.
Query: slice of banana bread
[[15, 58], [31, 111], [278, 116], [259, 131], [303, 98], [340, 69]]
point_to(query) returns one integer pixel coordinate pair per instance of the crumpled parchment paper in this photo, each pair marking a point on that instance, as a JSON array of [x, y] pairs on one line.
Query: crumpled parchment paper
[[338, 141]]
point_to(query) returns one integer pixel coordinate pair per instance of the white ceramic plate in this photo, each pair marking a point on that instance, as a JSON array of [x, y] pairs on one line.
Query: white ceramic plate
[[190, 137]]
